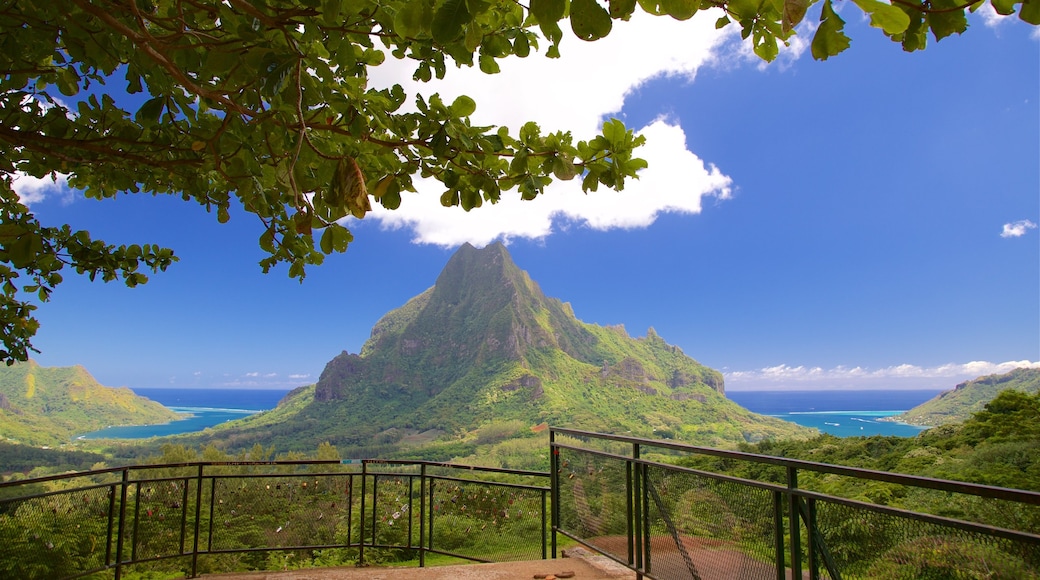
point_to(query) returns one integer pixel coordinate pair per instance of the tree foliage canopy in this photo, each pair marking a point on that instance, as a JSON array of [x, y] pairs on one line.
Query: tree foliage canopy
[[266, 104]]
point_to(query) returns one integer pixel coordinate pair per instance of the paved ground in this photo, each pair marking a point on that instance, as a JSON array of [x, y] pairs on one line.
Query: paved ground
[[584, 565]]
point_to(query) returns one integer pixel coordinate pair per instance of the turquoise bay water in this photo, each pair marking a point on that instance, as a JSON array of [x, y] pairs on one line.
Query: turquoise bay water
[[200, 408], [839, 413], [195, 419]]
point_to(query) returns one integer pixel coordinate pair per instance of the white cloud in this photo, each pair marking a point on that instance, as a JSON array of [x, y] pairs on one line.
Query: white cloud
[[300, 376], [1017, 229], [676, 181], [576, 92], [904, 376], [32, 190], [253, 374]]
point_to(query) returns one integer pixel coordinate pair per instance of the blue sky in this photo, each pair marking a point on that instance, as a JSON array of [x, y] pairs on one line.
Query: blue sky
[[864, 222]]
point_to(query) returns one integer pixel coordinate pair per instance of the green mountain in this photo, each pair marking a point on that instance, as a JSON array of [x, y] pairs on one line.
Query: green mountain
[[50, 405], [484, 356], [970, 397]]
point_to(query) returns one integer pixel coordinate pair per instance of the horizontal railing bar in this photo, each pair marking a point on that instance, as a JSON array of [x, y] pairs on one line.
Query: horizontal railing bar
[[495, 483], [923, 517], [21, 498], [455, 466], [988, 491], [690, 470], [452, 554]]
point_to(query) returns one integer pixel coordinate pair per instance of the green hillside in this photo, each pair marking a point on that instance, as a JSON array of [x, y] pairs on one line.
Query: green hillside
[[50, 405], [970, 397], [484, 356]]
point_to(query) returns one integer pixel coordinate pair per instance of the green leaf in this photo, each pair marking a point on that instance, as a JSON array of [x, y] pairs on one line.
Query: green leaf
[[949, 20], [794, 12], [412, 19], [148, 114], [621, 9], [680, 9], [563, 169], [548, 11], [887, 17], [767, 48], [589, 20], [1030, 12], [830, 37], [470, 199], [326, 241], [521, 45], [489, 65], [1004, 7], [463, 106], [449, 21]]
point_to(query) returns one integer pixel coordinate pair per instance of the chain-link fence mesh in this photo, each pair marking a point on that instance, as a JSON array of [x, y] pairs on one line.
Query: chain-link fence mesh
[[704, 528], [488, 521], [207, 518], [863, 543], [594, 504], [59, 534], [676, 523]]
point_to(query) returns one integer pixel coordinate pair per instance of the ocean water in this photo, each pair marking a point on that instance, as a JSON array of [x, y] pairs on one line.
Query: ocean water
[[840, 413], [200, 408]]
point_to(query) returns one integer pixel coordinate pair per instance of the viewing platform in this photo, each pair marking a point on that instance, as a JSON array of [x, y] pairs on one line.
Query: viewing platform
[[629, 506]]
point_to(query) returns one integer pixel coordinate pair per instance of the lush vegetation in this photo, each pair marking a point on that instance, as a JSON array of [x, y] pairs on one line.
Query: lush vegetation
[[44, 406], [312, 505], [999, 446], [970, 397]]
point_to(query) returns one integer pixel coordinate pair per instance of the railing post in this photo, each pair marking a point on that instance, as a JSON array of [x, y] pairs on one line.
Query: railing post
[[121, 528], [544, 522], [630, 512], [638, 504], [111, 524], [778, 532], [361, 517], [810, 527], [212, 506], [184, 514], [430, 526], [554, 488], [198, 522], [375, 505], [792, 523], [422, 514], [137, 520]]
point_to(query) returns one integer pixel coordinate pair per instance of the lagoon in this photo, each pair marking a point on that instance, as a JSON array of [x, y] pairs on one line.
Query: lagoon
[[841, 413]]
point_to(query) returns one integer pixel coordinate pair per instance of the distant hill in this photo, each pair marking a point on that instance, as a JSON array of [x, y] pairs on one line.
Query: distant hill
[[969, 397], [50, 405], [484, 355]]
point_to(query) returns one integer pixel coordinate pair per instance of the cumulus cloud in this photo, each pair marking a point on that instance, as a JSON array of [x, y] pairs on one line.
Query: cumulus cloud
[[1017, 229], [32, 190], [676, 181], [576, 93], [904, 376]]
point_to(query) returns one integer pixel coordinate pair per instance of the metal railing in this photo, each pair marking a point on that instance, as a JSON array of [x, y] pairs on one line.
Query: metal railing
[[207, 516], [665, 521], [625, 497]]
